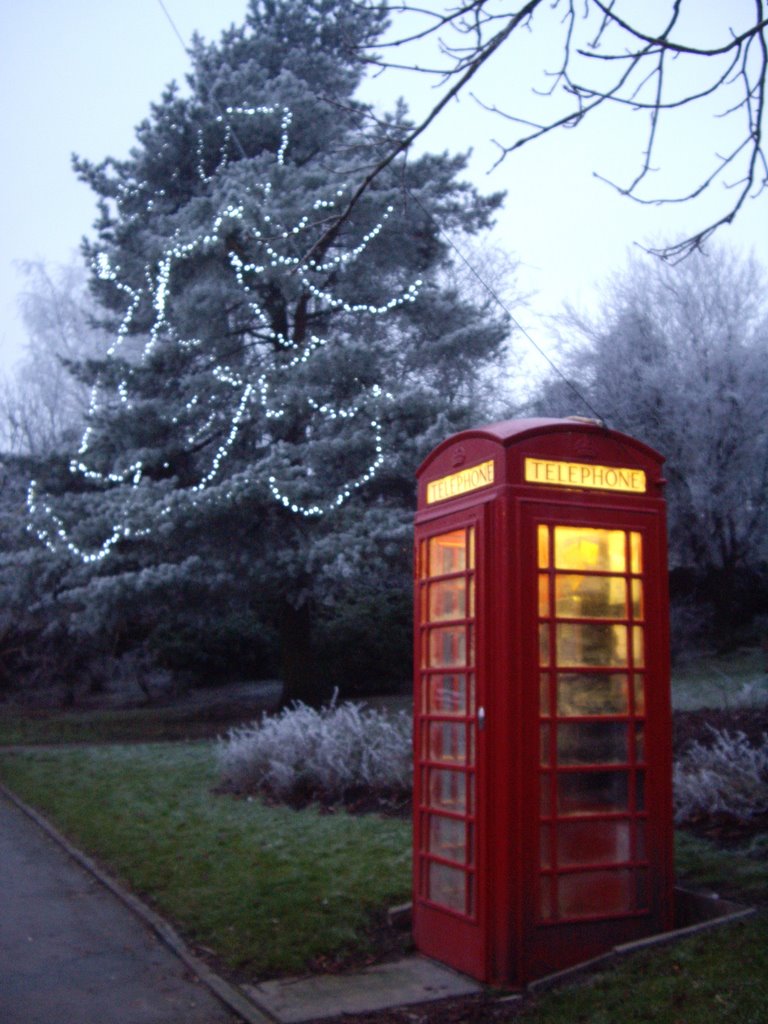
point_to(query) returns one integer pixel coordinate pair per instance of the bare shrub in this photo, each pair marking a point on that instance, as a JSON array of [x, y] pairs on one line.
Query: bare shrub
[[727, 778], [328, 755]]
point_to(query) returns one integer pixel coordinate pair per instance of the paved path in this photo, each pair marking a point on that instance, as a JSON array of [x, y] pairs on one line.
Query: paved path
[[72, 953]]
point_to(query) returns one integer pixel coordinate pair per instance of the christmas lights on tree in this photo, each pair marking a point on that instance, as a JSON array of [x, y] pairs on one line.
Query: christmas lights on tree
[[223, 394]]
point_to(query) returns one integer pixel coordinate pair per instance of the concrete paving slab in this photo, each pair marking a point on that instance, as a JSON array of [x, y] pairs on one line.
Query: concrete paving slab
[[411, 980], [71, 953]]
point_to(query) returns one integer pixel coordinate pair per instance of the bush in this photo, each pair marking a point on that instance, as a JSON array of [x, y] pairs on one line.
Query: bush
[[364, 645], [727, 778], [333, 755], [212, 646]]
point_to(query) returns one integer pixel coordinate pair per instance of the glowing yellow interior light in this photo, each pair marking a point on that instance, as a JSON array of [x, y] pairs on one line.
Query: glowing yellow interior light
[[586, 548], [543, 542], [636, 549], [448, 553]]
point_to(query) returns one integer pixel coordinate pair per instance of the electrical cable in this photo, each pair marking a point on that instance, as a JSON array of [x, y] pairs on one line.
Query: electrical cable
[[450, 242], [513, 319], [173, 26]]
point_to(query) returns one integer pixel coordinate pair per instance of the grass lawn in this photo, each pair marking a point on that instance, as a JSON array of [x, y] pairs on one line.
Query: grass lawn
[[720, 977], [267, 889], [271, 890], [737, 679], [202, 714], [104, 726]]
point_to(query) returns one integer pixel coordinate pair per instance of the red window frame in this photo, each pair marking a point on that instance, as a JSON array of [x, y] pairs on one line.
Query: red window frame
[[592, 858], [445, 737]]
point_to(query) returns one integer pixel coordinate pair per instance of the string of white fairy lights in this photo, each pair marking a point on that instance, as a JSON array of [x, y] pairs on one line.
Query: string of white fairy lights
[[272, 238]]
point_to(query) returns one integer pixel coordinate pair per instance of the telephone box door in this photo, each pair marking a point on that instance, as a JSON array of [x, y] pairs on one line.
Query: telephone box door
[[448, 860], [598, 733]]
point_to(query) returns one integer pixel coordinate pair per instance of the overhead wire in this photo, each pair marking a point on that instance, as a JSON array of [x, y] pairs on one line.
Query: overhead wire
[[503, 306], [452, 245]]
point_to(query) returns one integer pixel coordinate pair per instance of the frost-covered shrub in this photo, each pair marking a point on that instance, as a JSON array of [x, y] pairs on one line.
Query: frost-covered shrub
[[730, 777], [303, 754]]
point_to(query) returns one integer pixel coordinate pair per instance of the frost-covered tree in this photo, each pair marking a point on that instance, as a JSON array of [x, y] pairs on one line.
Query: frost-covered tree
[[42, 405], [277, 370], [678, 357]]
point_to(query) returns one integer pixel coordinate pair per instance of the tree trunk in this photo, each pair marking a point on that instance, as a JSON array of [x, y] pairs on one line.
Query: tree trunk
[[300, 676], [731, 606]]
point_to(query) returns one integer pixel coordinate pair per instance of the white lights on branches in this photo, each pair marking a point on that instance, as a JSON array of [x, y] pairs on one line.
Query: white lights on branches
[[220, 407]]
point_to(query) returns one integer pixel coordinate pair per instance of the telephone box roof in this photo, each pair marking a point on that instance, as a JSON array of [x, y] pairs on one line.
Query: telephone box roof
[[509, 432]]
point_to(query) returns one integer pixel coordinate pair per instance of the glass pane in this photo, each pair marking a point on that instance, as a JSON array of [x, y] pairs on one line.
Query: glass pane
[[447, 838], [639, 791], [544, 694], [592, 792], [471, 596], [638, 605], [636, 552], [592, 743], [545, 794], [545, 855], [589, 893], [544, 644], [590, 597], [543, 595], [446, 886], [581, 547], [448, 553], [639, 741], [448, 695], [638, 646], [447, 742], [543, 543], [448, 646], [640, 852], [586, 643], [448, 600], [544, 744], [639, 695], [587, 693], [447, 790], [593, 842], [471, 559]]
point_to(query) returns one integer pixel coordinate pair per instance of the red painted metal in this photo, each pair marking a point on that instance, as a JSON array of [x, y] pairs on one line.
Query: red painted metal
[[542, 731]]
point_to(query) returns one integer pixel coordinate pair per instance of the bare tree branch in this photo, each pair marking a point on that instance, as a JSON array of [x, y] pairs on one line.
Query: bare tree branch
[[603, 52]]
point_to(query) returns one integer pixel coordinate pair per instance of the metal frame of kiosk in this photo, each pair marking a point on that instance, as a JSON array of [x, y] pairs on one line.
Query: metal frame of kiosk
[[542, 731]]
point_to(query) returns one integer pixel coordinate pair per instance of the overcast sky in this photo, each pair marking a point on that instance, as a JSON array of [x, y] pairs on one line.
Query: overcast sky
[[79, 76]]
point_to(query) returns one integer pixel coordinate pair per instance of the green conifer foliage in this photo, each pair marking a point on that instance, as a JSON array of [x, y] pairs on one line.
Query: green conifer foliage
[[278, 369]]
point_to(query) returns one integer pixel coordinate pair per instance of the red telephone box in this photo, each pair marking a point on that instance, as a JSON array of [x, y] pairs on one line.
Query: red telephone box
[[542, 797]]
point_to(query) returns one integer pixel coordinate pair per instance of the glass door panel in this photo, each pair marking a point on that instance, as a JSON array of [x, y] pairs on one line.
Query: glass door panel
[[446, 764], [591, 706], [593, 597]]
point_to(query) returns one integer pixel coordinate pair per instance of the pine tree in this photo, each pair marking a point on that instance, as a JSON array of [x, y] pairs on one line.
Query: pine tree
[[278, 369]]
